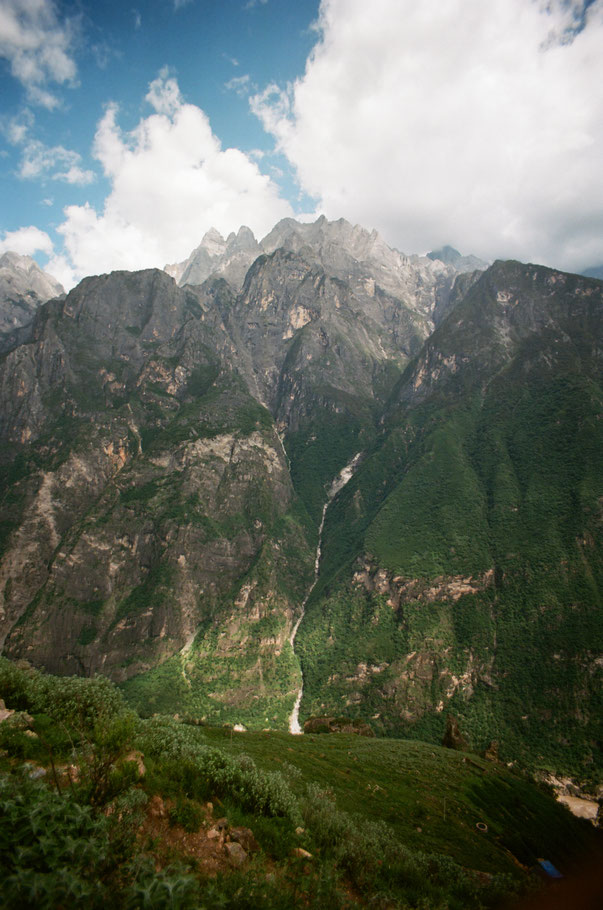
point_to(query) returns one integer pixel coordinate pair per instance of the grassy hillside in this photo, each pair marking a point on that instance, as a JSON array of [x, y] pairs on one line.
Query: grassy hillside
[[98, 805]]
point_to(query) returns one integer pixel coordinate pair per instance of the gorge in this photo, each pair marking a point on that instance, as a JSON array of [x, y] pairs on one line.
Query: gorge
[[157, 531]]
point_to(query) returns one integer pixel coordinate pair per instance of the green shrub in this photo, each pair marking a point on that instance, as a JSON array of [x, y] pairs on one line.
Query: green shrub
[[376, 862], [183, 763], [53, 852], [187, 814]]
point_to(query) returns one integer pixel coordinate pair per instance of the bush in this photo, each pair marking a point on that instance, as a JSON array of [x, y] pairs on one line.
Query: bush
[[71, 700], [184, 764], [53, 852], [187, 814]]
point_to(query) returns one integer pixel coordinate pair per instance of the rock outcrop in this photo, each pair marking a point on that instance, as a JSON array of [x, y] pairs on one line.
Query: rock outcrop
[[23, 287]]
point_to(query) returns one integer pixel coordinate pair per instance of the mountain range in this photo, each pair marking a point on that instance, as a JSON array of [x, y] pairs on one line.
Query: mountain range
[[402, 452]]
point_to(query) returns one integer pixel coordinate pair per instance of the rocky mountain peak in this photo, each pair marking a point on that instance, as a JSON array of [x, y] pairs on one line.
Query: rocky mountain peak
[[215, 256], [244, 239], [22, 274], [448, 255], [345, 251], [213, 242], [23, 287]]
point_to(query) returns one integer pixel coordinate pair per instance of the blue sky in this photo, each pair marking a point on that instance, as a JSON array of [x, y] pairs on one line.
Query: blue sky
[[126, 131], [118, 50]]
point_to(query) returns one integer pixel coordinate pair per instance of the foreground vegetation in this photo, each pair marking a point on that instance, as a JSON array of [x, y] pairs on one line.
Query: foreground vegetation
[[98, 804]]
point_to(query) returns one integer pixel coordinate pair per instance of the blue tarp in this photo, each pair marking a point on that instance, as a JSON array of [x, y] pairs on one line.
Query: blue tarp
[[550, 870]]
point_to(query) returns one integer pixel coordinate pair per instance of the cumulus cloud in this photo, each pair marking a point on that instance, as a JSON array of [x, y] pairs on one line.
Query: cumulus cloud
[[55, 162], [170, 182], [26, 241], [38, 47], [164, 93], [478, 124]]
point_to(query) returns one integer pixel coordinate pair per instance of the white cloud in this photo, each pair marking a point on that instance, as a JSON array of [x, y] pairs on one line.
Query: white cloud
[[171, 181], [17, 128], [56, 162], [38, 47], [40, 161], [26, 241], [478, 124], [103, 53], [60, 268], [164, 94], [239, 84]]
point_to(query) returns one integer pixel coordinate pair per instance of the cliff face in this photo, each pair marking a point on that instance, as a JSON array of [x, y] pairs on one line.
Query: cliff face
[[23, 287], [166, 454], [149, 489]]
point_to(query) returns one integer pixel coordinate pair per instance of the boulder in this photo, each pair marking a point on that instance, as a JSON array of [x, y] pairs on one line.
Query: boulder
[[236, 855], [245, 837]]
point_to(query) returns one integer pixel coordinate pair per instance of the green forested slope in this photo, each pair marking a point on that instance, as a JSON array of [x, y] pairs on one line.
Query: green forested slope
[[462, 565]]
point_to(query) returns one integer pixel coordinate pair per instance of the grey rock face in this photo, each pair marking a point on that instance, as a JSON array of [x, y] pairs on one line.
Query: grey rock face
[[149, 484], [366, 262], [461, 263], [348, 252], [301, 328], [216, 257], [23, 287]]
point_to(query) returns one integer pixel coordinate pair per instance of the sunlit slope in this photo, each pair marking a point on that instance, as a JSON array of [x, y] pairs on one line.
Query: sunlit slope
[[432, 798], [462, 565]]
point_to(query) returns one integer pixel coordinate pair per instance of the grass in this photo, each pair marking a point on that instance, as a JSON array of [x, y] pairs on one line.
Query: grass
[[413, 785], [387, 823]]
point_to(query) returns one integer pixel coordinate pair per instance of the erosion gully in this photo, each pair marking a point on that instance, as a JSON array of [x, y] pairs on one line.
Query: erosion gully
[[344, 476]]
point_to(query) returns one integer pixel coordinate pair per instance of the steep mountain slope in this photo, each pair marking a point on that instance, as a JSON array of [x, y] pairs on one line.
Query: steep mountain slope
[[149, 495], [152, 524], [218, 258], [343, 251], [462, 565], [167, 454], [23, 287], [327, 322]]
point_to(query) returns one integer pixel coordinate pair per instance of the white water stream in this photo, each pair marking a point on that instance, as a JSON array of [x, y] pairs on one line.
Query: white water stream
[[344, 476]]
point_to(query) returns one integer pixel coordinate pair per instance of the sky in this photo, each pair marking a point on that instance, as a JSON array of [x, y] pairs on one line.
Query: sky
[[127, 131]]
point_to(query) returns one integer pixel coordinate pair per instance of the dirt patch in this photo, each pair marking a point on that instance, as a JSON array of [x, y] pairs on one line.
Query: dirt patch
[[211, 846]]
